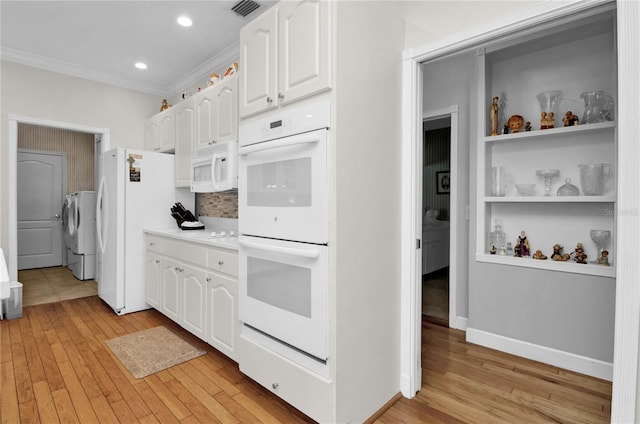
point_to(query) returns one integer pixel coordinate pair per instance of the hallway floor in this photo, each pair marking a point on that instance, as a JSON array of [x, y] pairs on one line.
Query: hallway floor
[[47, 285], [435, 295]]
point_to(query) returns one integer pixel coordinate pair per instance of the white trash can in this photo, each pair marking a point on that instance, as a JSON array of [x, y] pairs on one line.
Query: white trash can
[[12, 307]]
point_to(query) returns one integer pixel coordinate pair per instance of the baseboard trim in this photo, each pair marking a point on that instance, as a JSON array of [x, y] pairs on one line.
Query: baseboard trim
[[569, 361], [459, 323], [383, 409]]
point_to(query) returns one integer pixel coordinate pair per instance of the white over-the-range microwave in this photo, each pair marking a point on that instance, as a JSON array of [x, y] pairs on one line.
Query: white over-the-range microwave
[[215, 168]]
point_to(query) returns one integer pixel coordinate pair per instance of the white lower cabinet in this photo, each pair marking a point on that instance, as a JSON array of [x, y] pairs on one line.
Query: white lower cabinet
[[195, 285]]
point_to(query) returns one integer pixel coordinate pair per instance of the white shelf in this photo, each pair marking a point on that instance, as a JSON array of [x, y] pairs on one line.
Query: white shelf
[[552, 133], [550, 199], [551, 265]]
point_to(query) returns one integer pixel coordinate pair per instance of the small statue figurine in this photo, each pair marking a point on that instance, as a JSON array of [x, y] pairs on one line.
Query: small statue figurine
[[527, 126], [539, 255], [505, 130], [494, 116], [515, 122], [213, 78], [604, 259], [165, 105], [580, 257], [502, 251], [543, 120], [558, 255], [509, 251], [522, 246], [570, 119], [551, 120], [492, 249]]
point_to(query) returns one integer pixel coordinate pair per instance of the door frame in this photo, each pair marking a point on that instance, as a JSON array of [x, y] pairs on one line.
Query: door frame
[[627, 314], [12, 215], [64, 190]]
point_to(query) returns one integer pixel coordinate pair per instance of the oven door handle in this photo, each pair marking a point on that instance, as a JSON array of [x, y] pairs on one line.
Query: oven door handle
[[283, 142], [290, 251]]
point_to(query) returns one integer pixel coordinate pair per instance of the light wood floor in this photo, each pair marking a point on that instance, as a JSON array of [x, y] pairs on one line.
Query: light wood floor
[[47, 285], [55, 367]]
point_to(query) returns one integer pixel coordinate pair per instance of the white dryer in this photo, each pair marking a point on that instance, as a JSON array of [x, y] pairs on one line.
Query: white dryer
[[81, 233]]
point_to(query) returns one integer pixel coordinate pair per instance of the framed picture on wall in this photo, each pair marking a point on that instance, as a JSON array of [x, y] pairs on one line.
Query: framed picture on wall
[[443, 182]]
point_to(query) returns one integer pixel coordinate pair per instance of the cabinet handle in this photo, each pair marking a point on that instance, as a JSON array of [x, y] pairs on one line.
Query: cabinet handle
[[269, 100], [152, 244], [275, 386], [220, 263], [208, 279], [157, 261], [280, 96], [212, 142]]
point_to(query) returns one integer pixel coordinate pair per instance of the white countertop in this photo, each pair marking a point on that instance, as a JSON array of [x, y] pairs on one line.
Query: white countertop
[[198, 236]]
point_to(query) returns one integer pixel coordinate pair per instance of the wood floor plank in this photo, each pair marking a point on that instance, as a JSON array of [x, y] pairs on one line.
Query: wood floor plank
[[29, 412], [168, 398], [83, 406], [155, 404], [256, 409], [64, 407], [193, 404], [9, 398], [103, 411], [44, 401]]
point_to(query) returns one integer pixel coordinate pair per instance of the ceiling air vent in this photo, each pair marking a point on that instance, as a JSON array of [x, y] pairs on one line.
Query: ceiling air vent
[[245, 7]]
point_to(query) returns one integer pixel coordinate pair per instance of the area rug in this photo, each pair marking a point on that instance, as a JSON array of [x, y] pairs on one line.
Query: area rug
[[149, 351]]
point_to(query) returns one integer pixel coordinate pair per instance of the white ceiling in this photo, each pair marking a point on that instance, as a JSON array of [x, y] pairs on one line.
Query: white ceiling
[[101, 40]]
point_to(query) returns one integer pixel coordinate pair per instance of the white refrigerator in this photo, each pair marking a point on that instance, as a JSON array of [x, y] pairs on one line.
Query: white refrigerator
[[135, 192]]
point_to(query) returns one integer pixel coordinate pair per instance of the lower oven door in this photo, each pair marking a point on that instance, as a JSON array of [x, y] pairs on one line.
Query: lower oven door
[[283, 292]]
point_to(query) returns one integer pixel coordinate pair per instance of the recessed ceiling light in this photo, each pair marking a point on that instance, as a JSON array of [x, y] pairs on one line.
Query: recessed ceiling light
[[185, 21], [141, 65]]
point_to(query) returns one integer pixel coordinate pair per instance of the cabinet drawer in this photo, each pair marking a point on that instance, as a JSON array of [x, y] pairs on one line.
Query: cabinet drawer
[[188, 252], [154, 243], [223, 261], [306, 391]]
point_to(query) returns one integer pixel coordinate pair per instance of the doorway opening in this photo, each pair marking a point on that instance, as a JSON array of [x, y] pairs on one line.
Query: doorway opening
[[436, 209]]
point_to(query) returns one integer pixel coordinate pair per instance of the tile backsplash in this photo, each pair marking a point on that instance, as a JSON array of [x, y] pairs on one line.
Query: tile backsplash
[[220, 205]]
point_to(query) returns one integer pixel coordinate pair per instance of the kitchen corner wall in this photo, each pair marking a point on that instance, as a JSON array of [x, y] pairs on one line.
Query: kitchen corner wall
[[219, 205]]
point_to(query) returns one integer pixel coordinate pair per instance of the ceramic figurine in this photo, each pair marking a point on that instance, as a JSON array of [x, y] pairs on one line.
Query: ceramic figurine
[[502, 251], [509, 250], [214, 78], [539, 255], [580, 257], [543, 120], [570, 119], [505, 130], [165, 105], [492, 249], [558, 255], [604, 259], [527, 126], [515, 122], [551, 120], [494, 116], [522, 246]]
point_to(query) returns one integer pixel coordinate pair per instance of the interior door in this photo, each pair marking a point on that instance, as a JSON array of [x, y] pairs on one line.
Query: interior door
[[41, 186]]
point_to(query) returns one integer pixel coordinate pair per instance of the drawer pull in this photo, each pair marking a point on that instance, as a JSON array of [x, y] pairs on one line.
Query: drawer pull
[[220, 263], [275, 386], [208, 279]]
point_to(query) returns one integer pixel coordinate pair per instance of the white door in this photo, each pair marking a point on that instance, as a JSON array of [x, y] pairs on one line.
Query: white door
[[40, 196]]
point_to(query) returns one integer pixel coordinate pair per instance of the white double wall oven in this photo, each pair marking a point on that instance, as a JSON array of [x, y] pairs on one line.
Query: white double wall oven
[[283, 205]]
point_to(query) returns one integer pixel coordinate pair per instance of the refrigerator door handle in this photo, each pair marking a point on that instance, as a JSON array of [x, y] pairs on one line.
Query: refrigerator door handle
[[100, 210]]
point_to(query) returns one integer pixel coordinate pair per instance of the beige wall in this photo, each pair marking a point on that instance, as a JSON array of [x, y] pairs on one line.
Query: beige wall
[[35, 93]]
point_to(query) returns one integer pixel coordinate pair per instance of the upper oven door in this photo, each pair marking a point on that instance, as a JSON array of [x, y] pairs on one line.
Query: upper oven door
[[283, 188]]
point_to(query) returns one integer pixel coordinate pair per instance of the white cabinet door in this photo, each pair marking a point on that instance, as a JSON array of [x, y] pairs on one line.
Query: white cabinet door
[[217, 113], [222, 322], [225, 110], [258, 78], [185, 134], [304, 42], [153, 280], [194, 300], [171, 276], [159, 132]]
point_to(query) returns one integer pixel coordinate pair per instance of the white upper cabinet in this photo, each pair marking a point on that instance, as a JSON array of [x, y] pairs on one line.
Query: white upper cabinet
[[185, 136], [159, 132], [285, 55], [217, 113]]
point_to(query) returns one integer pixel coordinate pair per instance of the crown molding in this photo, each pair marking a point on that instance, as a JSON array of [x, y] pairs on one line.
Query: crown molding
[[201, 74], [53, 65]]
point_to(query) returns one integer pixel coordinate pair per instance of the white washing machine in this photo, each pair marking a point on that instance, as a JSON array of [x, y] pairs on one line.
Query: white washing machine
[[80, 232]]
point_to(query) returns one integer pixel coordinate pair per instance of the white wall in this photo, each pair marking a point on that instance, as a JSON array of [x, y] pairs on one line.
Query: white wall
[[36, 93]]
